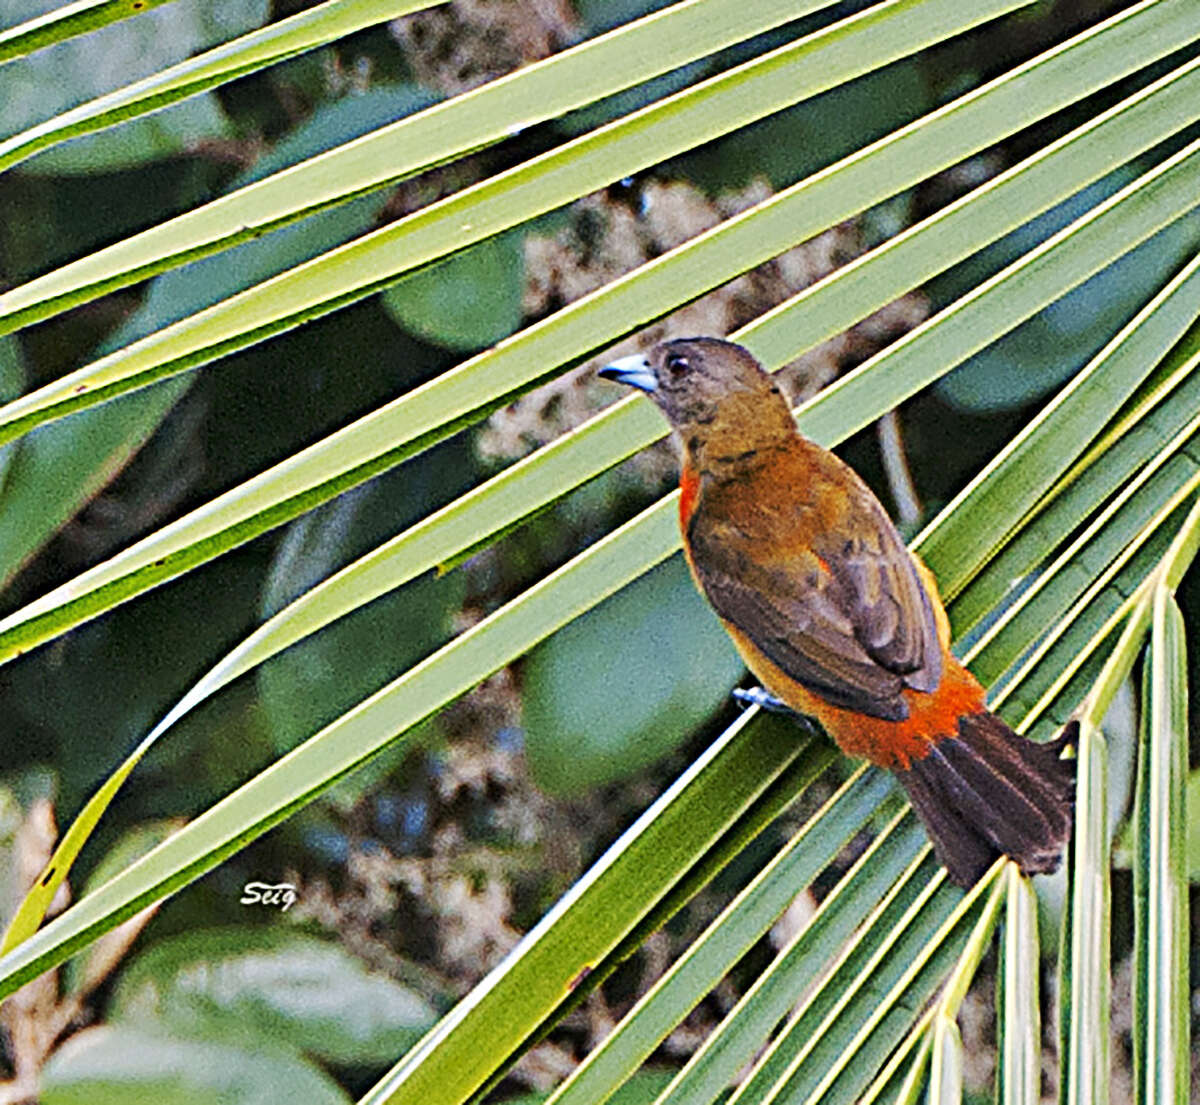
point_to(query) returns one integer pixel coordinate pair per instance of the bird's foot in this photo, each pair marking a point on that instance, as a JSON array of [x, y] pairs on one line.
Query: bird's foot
[[765, 700], [762, 698]]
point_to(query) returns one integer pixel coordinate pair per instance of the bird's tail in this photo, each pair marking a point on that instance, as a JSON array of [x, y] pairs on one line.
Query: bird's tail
[[989, 792]]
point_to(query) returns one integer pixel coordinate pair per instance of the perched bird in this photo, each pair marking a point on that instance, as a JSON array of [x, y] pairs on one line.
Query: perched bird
[[836, 617]]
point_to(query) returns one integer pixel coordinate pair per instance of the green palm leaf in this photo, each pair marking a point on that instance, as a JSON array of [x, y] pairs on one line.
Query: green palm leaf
[[1089, 508]]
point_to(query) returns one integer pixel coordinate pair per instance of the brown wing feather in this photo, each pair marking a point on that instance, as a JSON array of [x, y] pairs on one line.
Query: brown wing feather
[[838, 607], [891, 611]]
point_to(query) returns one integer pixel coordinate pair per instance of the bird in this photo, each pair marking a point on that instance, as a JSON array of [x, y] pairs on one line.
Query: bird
[[837, 619]]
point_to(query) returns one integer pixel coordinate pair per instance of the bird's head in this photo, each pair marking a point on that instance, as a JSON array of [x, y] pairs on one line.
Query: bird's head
[[713, 392]]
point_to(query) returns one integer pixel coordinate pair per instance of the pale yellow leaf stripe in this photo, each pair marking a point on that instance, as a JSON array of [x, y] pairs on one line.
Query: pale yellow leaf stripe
[[598, 67], [67, 21], [350, 272], [214, 67], [378, 440]]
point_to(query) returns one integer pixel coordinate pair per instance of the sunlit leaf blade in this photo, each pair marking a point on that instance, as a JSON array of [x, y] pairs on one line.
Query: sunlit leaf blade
[[809, 763], [1085, 986], [385, 437], [1089, 561], [1082, 490], [875, 961], [1014, 481], [1046, 272], [1161, 1059], [32, 910], [726, 940], [909, 1089], [485, 115], [837, 1064], [881, 34], [1019, 1043], [1120, 607], [901, 1081], [65, 22], [1147, 544], [847, 295], [1081, 639], [946, 1064], [276, 42], [893, 855]]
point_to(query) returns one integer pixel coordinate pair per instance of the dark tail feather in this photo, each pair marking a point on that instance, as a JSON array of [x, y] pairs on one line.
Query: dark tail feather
[[989, 792]]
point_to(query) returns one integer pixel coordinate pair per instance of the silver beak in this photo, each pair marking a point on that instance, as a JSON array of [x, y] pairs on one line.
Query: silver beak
[[634, 371]]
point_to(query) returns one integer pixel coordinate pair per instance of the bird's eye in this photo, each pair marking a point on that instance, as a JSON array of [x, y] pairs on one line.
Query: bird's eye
[[677, 366]]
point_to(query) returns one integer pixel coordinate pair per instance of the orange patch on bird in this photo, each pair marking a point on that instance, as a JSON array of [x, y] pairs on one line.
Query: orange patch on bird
[[689, 492], [931, 718], [895, 745]]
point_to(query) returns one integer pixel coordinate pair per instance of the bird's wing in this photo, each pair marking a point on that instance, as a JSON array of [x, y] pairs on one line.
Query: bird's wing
[[848, 619]]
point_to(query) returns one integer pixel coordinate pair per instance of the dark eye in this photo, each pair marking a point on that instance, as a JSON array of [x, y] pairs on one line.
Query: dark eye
[[677, 365]]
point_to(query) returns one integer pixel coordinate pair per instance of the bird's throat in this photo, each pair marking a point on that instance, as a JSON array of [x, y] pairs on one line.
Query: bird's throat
[[739, 438]]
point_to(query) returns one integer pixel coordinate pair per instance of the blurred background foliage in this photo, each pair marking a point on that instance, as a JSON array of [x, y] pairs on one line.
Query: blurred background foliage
[[418, 873]]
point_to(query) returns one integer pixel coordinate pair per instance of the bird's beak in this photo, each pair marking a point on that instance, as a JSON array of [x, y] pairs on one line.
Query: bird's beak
[[634, 371]]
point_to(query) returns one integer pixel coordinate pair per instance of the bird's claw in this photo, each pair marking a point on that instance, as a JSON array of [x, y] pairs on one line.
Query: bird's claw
[[761, 697], [765, 700]]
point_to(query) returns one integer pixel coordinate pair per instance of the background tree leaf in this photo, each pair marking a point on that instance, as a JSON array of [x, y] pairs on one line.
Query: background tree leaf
[[619, 688]]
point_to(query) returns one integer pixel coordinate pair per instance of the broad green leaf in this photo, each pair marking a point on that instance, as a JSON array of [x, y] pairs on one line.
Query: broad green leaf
[[622, 686], [60, 76], [267, 985], [57, 469], [84, 971], [804, 139], [363, 449], [478, 118], [467, 302], [227, 62], [64, 21], [112, 1065]]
